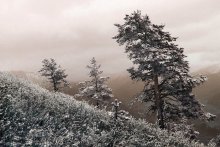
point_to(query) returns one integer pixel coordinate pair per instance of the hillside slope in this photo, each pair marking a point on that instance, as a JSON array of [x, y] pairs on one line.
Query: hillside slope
[[208, 94], [33, 116]]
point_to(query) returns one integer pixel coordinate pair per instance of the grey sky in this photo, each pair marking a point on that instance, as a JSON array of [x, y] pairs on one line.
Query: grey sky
[[73, 31]]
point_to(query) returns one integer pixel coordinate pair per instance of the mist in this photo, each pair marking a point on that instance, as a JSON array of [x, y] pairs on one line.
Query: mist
[[72, 32]]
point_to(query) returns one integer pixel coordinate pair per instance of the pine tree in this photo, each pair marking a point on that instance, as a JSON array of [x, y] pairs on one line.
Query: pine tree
[[116, 105], [161, 65], [54, 73], [95, 88]]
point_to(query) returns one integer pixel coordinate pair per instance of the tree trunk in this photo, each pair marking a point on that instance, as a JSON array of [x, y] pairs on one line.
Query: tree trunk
[[116, 113], [96, 89], [55, 86], [159, 103], [96, 85]]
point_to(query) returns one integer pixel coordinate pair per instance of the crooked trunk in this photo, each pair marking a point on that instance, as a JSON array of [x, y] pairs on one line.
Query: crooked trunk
[[159, 103]]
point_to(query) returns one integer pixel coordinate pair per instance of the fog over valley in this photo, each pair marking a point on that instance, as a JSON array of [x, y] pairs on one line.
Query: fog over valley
[[72, 33]]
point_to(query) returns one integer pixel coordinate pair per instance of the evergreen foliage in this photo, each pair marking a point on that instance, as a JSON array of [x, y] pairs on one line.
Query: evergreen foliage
[[54, 73], [95, 88], [33, 116], [161, 65], [116, 105]]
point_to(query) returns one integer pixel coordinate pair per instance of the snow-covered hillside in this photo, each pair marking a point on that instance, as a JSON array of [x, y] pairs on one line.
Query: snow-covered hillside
[[33, 116]]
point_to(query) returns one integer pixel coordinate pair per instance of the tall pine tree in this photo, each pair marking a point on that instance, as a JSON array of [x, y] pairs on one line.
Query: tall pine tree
[[161, 65], [95, 88]]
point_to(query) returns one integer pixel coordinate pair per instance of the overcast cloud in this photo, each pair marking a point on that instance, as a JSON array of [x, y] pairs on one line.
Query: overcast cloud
[[73, 31]]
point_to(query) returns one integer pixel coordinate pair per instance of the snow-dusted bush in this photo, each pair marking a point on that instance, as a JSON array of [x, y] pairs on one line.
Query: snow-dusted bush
[[184, 128], [215, 142], [33, 116]]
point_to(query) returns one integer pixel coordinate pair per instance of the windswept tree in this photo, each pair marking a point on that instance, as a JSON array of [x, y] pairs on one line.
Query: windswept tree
[[161, 65], [95, 88], [54, 73]]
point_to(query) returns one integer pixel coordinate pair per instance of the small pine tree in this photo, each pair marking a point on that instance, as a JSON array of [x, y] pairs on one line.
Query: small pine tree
[[161, 65], [54, 73], [95, 88], [116, 105]]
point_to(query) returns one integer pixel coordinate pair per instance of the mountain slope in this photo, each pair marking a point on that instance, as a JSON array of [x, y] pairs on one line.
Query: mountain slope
[[208, 94], [33, 116]]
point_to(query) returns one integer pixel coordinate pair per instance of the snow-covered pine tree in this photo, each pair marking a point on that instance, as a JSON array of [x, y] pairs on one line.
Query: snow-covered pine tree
[[54, 73], [161, 65], [95, 88]]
